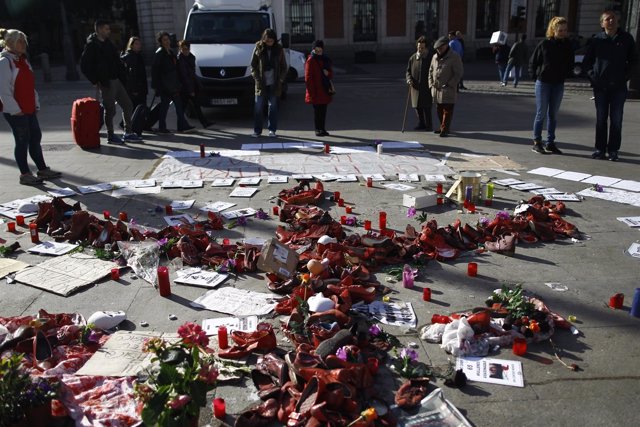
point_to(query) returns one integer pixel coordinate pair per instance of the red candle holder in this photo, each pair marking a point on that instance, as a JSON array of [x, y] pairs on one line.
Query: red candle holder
[[327, 149], [106, 214], [115, 274], [168, 209], [343, 219], [219, 408], [426, 294], [223, 337], [519, 346], [616, 301], [275, 210], [471, 207], [440, 200], [341, 203], [336, 195], [164, 286], [226, 241], [11, 227], [369, 182], [348, 209], [367, 224], [382, 220], [20, 220], [123, 216], [201, 150], [439, 188], [33, 231], [472, 269]]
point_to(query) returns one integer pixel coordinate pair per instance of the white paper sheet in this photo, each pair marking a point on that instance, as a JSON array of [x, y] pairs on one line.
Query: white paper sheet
[[627, 185], [217, 206], [8, 266], [613, 195], [327, 176], [302, 176], [237, 302], [398, 186], [631, 221], [52, 248], [277, 179], [408, 177], [546, 171], [549, 190], [605, 181], [254, 180], [506, 182], [272, 146], [494, 371], [390, 313], [222, 182], [565, 197], [134, 191], [180, 205], [435, 178], [182, 183], [244, 324], [375, 177], [95, 188], [177, 220], [243, 192], [347, 178], [634, 250], [238, 213], [62, 192], [135, 183], [526, 186], [572, 176], [199, 277]]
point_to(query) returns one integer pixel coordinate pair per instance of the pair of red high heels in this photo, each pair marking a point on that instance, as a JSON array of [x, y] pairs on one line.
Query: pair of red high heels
[[264, 339]]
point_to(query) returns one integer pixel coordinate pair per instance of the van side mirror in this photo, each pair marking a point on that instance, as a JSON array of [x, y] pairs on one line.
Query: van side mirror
[[285, 39]]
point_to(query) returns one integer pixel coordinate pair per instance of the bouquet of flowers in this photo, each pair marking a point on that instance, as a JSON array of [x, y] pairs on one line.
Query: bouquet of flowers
[[406, 364], [20, 392], [177, 383]]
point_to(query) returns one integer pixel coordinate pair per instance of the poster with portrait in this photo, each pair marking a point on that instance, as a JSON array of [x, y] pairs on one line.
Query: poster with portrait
[[494, 371]]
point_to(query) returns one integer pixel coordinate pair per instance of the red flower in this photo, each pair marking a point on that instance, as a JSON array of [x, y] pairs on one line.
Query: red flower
[[208, 374], [179, 401], [192, 334]]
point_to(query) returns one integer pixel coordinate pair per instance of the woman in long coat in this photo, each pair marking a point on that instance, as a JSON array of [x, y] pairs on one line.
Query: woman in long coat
[[417, 76], [317, 76], [444, 74]]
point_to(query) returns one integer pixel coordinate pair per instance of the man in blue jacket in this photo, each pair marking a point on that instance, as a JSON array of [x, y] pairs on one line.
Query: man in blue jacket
[[609, 60]]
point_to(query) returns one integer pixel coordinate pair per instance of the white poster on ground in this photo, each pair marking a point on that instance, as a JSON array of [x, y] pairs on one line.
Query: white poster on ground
[[494, 371]]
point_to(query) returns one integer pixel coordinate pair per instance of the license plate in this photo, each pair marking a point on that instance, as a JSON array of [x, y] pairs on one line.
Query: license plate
[[224, 101]]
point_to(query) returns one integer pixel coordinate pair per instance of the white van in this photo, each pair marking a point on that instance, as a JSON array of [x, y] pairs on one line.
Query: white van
[[223, 34]]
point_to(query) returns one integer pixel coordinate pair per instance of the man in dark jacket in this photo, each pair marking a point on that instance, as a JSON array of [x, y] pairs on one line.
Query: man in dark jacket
[[101, 64], [518, 56], [189, 84], [269, 70], [609, 59], [417, 77]]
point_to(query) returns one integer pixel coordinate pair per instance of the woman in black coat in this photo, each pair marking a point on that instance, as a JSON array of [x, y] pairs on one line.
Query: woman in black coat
[[189, 83], [165, 81], [136, 72]]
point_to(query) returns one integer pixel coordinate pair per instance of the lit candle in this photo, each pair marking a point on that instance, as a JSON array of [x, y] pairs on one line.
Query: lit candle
[[168, 209], [33, 231], [382, 220], [327, 149], [426, 294], [201, 150], [367, 224], [163, 282], [123, 216], [11, 227], [343, 220], [472, 269], [20, 220], [275, 210], [115, 274], [348, 209], [106, 214], [369, 182], [341, 202], [336, 195], [219, 408], [439, 188], [223, 337]]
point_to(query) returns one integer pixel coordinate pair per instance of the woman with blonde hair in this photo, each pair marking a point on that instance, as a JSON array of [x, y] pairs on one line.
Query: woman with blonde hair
[[550, 64], [20, 106]]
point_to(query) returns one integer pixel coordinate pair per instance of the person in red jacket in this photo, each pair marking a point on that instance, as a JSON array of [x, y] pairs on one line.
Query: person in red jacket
[[317, 76], [20, 106]]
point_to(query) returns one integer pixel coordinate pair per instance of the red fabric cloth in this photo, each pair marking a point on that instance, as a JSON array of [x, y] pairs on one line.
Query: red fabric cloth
[[24, 87], [316, 92]]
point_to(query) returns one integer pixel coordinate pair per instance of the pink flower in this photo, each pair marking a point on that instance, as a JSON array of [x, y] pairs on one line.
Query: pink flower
[[192, 334], [411, 212], [260, 214], [208, 374], [343, 353], [409, 354], [179, 402], [375, 330], [503, 215], [153, 345]]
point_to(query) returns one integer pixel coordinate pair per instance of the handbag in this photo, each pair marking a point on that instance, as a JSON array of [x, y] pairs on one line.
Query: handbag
[[332, 89]]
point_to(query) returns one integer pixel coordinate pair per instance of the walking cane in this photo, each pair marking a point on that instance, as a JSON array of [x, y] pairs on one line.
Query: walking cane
[[406, 107]]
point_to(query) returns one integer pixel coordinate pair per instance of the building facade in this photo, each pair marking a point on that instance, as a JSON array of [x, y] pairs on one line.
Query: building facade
[[386, 30]]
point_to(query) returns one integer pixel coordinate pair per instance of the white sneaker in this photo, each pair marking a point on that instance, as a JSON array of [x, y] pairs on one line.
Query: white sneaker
[[272, 134]]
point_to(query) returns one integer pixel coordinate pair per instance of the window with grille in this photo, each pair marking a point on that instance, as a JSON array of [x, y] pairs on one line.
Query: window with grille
[[546, 10], [426, 19], [364, 20], [487, 13], [301, 15]]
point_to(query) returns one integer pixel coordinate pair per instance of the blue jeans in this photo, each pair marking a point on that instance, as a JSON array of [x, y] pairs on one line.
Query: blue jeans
[[609, 106], [268, 95], [501, 68], [27, 134], [516, 74], [165, 100], [548, 100]]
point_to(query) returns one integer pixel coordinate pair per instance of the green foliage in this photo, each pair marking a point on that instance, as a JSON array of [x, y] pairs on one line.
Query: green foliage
[[513, 300], [19, 391]]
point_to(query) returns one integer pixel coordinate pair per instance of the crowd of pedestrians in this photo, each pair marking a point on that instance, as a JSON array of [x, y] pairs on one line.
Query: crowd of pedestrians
[[434, 74]]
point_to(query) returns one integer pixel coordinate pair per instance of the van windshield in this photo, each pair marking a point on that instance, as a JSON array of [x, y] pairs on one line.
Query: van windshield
[[226, 27]]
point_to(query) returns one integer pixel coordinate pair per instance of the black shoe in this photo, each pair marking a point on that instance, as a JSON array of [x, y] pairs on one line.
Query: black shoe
[[420, 127], [551, 148], [613, 156], [207, 125], [436, 131], [598, 155], [538, 148], [161, 131], [324, 133], [444, 134], [319, 133]]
